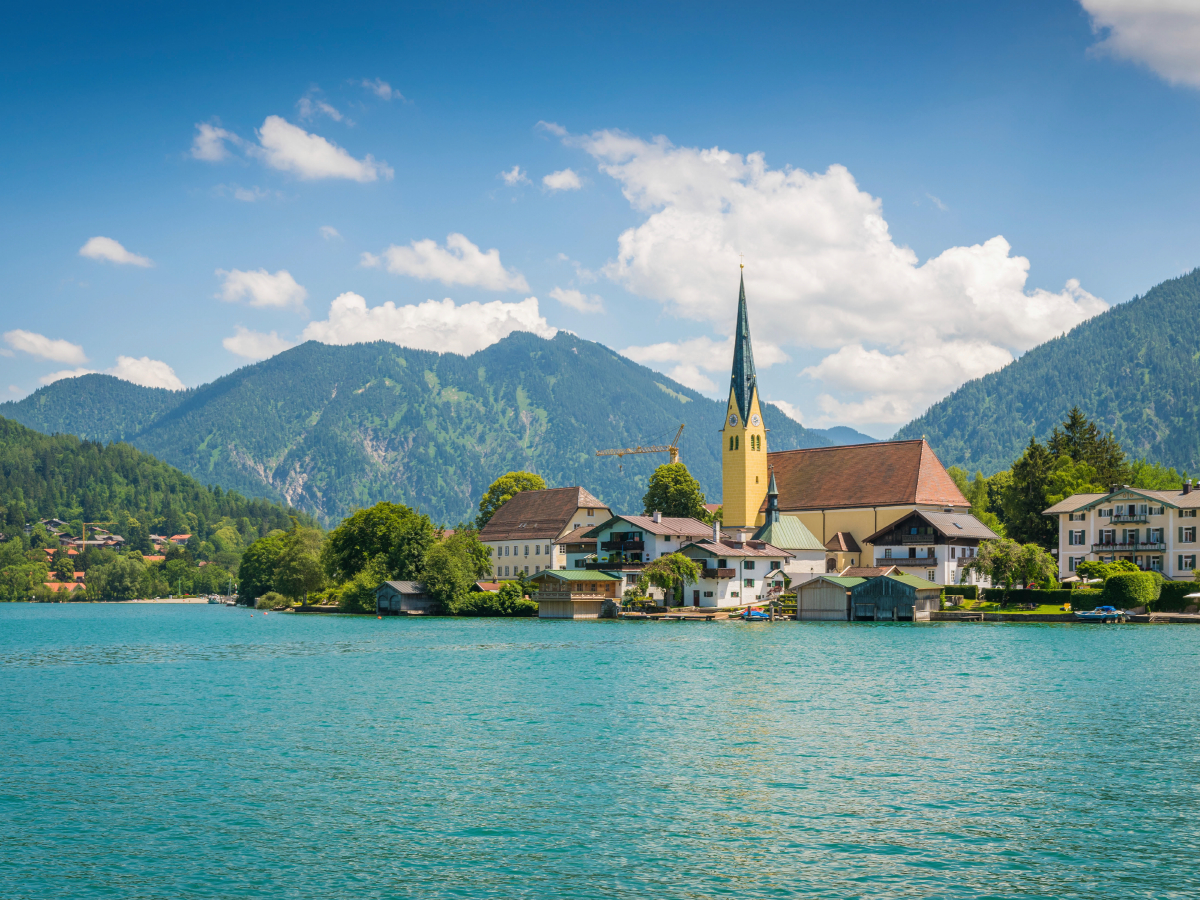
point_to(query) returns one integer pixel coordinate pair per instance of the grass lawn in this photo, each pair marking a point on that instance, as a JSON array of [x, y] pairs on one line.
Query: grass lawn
[[1044, 609]]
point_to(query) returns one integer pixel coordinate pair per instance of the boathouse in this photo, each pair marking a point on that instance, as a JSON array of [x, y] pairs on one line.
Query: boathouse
[[574, 593], [825, 598], [403, 598], [894, 598]]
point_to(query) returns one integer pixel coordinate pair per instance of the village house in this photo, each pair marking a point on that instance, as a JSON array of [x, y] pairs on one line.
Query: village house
[[1154, 530], [626, 543], [575, 549], [574, 593], [932, 545], [522, 534], [737, 571], [403, 598]]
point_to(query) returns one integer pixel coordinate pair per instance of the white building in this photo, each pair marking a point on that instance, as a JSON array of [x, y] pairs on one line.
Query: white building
[[1154, 530], [735, 573], [521, 536], [932, 545], [639, 539]]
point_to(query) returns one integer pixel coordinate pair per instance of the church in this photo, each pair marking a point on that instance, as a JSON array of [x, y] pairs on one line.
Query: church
[[840, 504]]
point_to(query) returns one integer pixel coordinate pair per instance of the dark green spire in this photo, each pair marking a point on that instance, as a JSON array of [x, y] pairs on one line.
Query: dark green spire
[[772, 501], [743, 380]]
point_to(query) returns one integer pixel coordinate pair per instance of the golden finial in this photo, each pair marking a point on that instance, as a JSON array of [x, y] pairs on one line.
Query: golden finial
[[742, 257]]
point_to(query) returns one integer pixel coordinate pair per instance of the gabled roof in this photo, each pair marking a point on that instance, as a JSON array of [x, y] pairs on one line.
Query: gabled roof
[[887, 473], [790, 533], [963, 525], [913, 581], [490, 587], [1176, 499], [840, 580], [538, 515], [666, 525], [576, 575], [865, 572], [577, 536], [843, 542], [405, 587], [735, 548]]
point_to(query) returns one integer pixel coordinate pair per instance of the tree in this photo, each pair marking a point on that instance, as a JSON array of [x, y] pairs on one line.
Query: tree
[[669, 573], [1026, 497], [504, 489], [256, 573], [1035, 566], [465, 544], [298, 570], [674, 492], [119, 579], [390, 530], [978, 494], [64, 569], [1082, 441], [1068, 478], [358, 595], [1090, 569], [1005, 562], [447, 577]]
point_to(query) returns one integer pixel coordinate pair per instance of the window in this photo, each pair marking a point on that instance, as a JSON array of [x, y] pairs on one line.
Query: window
[[749, 582], [591, 512], [931, 575], [579, 564], [1129, 536], [1076, 517], [536, 569], [708, 593], [748, 564], [537, 549], [1154, 535], [547, 549], [506, 570], [733, 593], [721, 564], [1104, 513], [887, 553], [1108, 535], [1187, 563], [1072, 562], [1187, 514], [1187, 535], [527, 570], [526, 552], [1157, 510]]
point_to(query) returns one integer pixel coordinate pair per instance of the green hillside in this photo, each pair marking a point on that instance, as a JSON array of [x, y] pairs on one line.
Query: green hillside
[[75, 480], [1134, 369], [329, 429]]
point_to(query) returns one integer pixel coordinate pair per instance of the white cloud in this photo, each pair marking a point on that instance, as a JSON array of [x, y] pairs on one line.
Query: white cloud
[[432, 325], [255, 344], [289, 148], [552, 127], [209, 142], [937, 202], [147, 372], [822, 269], [695, 356], [260, 288], [788, 410], [578, 300], [1162, 34], [104, 248], [142, 370], [514, 176], [566, 180], [53, 349], [65, 373], [310, 106], [382, 89], [244, 194], [459, 262], [330, 233]]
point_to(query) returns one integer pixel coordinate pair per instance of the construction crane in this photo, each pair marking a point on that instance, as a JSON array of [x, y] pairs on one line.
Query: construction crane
[[672, 448]]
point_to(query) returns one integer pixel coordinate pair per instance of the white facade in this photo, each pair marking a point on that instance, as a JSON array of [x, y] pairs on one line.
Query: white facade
[[736, 575], [939, 563], [530, 555], [1155, 530]]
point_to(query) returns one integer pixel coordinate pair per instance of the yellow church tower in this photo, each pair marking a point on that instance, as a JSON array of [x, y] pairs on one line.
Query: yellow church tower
[[744, 436]]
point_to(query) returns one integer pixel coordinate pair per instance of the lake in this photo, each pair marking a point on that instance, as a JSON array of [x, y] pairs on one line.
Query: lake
[[184, 751]]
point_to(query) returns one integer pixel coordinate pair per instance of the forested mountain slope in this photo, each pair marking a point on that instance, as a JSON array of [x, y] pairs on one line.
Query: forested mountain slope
[[67, 478], [1134, 369], [332, 428]]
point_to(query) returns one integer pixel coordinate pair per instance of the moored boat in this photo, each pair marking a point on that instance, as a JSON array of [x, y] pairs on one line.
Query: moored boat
[[1101, 614]]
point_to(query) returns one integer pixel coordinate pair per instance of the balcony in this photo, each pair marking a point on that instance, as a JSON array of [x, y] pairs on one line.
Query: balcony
[[1129, 519], [617, 566], [908, 562], [718, 573], [918, 538], [1148, 547], [623, 546]]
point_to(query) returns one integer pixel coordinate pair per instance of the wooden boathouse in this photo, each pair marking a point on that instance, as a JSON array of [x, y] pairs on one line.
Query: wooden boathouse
[[894, 598], [403, 598], [574, 593], [825, 598]]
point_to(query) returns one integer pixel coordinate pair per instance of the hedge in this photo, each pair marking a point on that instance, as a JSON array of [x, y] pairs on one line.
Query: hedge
[[1129, 589], [1028, 595], [966, 591], [488, 604], [1171, 599]]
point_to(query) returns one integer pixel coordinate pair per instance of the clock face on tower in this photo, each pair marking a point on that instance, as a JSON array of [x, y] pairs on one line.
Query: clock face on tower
[[755, 420], [733, 421]]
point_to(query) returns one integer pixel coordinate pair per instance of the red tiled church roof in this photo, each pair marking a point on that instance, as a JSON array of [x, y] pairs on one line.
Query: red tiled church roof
[[887, 473]]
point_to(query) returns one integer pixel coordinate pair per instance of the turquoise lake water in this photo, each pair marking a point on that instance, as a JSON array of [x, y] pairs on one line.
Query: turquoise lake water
[[184, 751]]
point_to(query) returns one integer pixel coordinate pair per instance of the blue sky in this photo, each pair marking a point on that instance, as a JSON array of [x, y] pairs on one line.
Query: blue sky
[[921, 192]]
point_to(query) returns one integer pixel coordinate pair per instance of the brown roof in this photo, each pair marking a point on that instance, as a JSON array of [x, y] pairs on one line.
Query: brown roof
[[962, 525], [887, 473], [736, 548], [843, 542], [868, 571], [577, 536], [1174, 498], [666, 525], [538, 515]]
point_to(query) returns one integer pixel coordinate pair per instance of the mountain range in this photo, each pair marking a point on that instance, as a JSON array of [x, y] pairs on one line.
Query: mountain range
[[1135, 369], [328, 429]]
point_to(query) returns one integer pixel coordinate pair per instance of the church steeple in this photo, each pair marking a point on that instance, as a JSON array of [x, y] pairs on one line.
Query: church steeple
[[743, 380], [772, 501]]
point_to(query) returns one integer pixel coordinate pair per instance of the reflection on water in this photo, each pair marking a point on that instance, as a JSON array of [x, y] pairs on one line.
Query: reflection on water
[[203, 752]]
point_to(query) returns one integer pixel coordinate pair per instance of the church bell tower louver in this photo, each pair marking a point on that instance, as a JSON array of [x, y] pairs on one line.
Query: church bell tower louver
[[744, 435]]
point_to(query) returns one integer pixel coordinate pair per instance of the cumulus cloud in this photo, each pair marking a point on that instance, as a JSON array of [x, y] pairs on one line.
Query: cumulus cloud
[[255, 344], [514, 176], [566, 180], [687, 361], [822, 272], [382, 89], [788, 410], [330, 233], [1161, 34], [261, 288], [103, 248], [459, 262], [54, 349], [289, 148], [432, 325], [147, 372], [578, 300], [140, 370], [209, 142]]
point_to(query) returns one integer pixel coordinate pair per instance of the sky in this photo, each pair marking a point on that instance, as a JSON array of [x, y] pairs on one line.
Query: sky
[[919, 192]]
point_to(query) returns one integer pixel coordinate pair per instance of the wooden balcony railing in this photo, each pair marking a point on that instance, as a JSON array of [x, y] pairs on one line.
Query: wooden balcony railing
[[718, 573]]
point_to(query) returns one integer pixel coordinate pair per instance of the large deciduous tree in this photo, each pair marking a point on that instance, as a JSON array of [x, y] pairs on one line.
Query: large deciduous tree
[[391, 531], [674, 492], [671, 574], [504, 489]]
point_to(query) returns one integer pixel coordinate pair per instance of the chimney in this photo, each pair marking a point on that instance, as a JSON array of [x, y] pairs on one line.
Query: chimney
[[716, 531], [1187, 487], [948, 509], [657, 517]]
